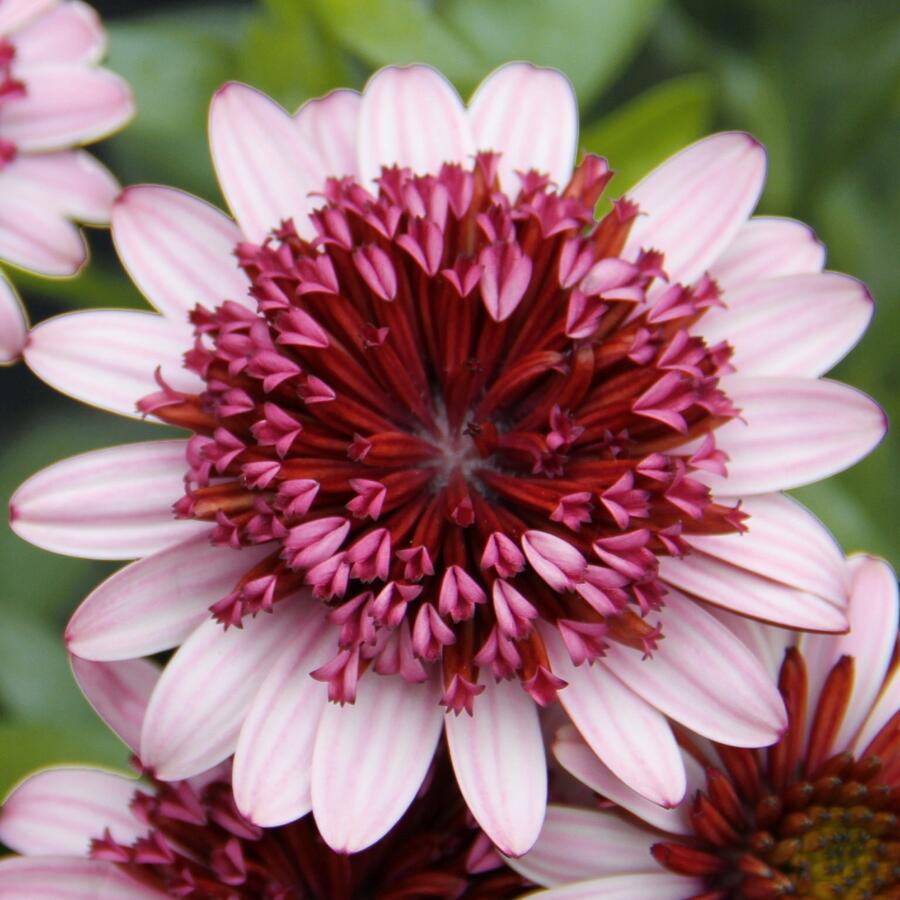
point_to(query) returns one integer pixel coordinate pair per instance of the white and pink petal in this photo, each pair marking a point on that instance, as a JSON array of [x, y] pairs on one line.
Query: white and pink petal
[[65, 878], [13, 324]]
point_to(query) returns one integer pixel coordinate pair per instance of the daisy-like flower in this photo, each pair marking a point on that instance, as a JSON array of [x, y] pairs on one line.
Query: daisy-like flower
[[815, 815], [86, 833], [13, 323], [53, 100], [457, 447]]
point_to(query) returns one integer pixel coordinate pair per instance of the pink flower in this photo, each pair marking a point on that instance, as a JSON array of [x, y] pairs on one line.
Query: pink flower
[[53, 98], [814, 815], [13, 323], [471, 445], [88, 833]]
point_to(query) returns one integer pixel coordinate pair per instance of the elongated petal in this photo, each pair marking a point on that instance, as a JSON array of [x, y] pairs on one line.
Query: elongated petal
[[766, 643], [71, 33], [205, 691], [38, 238], [631, 737], [13, 323], [411, 117], [371, 757], [273, 759], [579, 760], [702, 676], [768, 247], [65, 105], [634, 886], [155, 603], [696, 201], [798, 325], [786, 543], [108, 357], [498, 757], [114, 503], [265, 169], [870, 641], [580, 844], [64, 878], [530, 116], [328, 125], [17, 13], [59, 811], [793, 431], [119, 692], [178, 249], [882, 712]]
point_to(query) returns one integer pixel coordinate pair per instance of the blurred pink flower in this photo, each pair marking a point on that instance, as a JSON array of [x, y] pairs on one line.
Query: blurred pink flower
[[460, 439], [815, 815], [53, 98], [13, 323]]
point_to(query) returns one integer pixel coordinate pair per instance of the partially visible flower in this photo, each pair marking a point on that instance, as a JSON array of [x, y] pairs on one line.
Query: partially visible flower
[[53, 99], [88, 833], [13, 323], [816, 815]]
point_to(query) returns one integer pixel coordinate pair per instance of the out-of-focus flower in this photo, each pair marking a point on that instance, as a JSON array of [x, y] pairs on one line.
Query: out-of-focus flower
[[815, 815], [457, 440], [13, 323], [88, 833], [53, 99]]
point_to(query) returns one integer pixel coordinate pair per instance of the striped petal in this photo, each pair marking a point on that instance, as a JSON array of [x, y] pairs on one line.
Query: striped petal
[[411, 117], [328, 125], [702, 676], [882, 712], [498, 758], [370, 759], [697, 201], [155, 603], [206, 689], [13, 323], [273, 759], [70, 33], [17, 13], [530, 116], [108, 357], [63, 878], [178, 249], [765, 642], [265, 170], [59, 811], [634, 886], [114, 503]]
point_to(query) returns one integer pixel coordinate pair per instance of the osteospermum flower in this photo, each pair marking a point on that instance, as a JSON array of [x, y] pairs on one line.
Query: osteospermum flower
[[13, 323], [815, 815], [53, 99], [457, 446], [88, 833]]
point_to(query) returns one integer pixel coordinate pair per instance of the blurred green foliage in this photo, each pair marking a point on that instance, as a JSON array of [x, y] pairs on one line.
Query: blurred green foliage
[[817, 82]]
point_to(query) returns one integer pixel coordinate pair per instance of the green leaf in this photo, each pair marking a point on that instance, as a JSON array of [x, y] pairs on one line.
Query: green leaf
[[647, 130]]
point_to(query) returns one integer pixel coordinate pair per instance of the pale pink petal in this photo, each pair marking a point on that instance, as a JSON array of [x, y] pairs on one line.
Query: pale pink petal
[[265, 169], [784, 542], [581, 844], [792, 431], [703, 676], [739, 590], [870, 641], [328, 125], [114, 503], [64, 878], [498, 758], [71, 33], [530, 116], [766, 642], [59, 811], [882, 712], [768, 247], [696, 201], [178, 249], [37, 238], [371, 757], [69, 182], [13, 323], [411, 117], [17, 13], [108, 357], [205, 691], [65, 105], [273, 759], [579, 760], [633, 886], [798, 325], [155, 603], [631, 737], [119, 692]]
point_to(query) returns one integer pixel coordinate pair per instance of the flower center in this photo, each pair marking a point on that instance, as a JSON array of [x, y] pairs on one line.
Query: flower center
[[454, 416]]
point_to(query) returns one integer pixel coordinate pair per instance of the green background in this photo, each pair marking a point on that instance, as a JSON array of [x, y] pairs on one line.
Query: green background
[[817, 82]]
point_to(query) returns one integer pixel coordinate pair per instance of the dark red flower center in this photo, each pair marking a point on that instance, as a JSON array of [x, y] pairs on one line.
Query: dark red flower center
[[11, 88], [454, 415]]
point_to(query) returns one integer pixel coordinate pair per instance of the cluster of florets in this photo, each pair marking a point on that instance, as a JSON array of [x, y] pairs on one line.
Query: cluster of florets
[[456, 419]]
